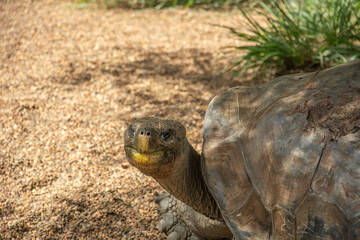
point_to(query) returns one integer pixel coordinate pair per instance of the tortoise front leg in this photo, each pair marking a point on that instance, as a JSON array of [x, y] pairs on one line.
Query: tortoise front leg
[[179, 221]]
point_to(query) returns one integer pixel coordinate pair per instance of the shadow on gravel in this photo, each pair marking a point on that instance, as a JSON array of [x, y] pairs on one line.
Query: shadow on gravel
[[74, 73], [189, 65]]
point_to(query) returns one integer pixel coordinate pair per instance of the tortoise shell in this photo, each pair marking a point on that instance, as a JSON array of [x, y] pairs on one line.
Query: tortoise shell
[[283, 159]]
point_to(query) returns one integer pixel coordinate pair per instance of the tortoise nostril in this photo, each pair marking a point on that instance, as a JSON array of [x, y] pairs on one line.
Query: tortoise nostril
[[145, 133]]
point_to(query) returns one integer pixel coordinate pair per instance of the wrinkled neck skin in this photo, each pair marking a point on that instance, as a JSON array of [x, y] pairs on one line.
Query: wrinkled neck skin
[[187, 184]]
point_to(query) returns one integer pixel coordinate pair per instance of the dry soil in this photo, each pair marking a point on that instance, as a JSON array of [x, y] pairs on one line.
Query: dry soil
[[71, 80]]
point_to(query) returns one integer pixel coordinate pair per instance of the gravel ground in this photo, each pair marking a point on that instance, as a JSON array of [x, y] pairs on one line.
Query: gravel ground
[[70, 81]]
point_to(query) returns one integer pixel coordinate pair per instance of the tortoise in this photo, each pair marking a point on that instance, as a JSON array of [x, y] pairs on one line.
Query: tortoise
[[279, 161]]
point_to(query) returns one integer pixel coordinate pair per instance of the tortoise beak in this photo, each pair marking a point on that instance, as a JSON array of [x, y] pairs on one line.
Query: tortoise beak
[[145, 140], [143, 143]]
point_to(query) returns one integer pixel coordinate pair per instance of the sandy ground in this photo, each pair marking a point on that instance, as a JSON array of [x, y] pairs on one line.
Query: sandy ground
[[70, 81]]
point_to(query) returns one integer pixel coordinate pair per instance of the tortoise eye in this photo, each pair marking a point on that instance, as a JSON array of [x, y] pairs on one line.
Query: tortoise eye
[[131, 132], [166, 135]]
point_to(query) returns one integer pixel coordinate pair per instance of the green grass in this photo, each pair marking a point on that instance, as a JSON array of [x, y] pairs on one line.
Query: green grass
[[299, 35], [158, 4]]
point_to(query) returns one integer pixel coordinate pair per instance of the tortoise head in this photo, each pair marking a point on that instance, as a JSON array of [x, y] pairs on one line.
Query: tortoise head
[[155, 146]]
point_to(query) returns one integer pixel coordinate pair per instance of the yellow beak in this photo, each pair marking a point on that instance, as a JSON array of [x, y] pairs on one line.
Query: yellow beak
[[143, 143], [147, 158]]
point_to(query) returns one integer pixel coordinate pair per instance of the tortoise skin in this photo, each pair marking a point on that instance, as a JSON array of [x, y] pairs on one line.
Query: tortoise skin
[[282, 160]]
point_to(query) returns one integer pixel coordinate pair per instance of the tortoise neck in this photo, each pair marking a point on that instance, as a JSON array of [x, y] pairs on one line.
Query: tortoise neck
[[187, 184]]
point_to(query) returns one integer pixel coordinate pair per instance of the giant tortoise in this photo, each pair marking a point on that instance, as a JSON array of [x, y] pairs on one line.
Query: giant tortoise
[[279, 161]]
